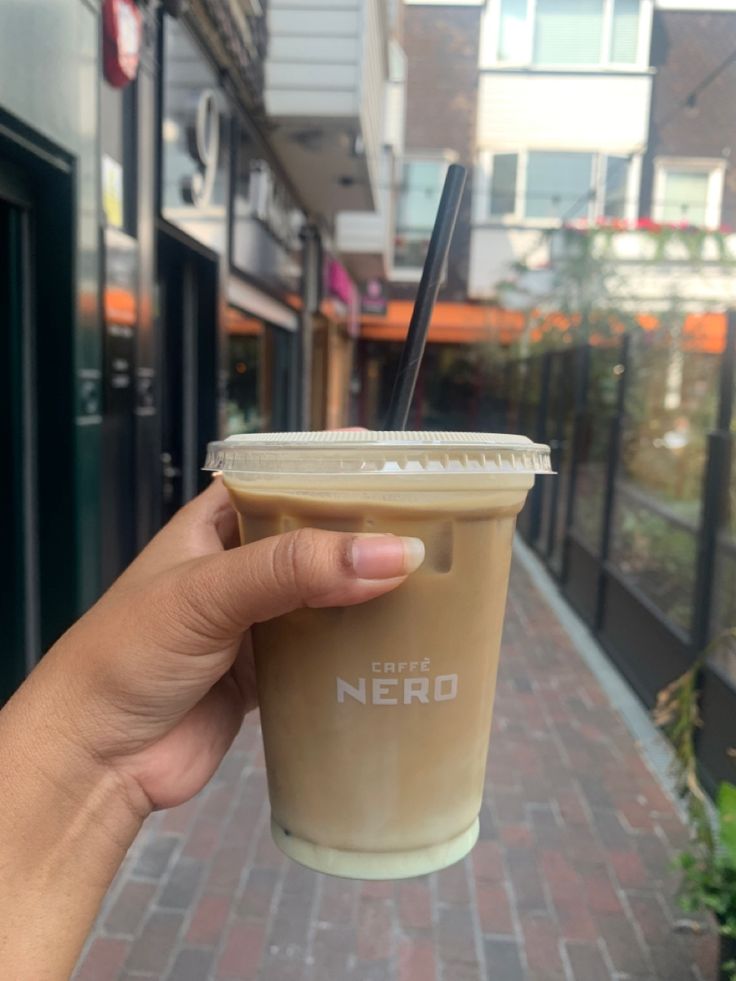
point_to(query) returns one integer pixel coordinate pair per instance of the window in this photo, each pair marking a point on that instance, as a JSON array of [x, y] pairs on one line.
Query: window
[[512, 34], [615, 183], [503, 183], [568, 32], [689, 191], [625, 32], [547, 186], [558, 185], [419, 196], [685, 197]]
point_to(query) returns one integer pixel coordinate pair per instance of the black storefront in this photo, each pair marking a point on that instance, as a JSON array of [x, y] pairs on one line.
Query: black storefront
[[149, 270], [50, 356], [228, 264]]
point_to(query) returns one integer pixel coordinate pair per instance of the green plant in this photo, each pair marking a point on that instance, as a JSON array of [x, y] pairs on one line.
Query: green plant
[[708, 866]]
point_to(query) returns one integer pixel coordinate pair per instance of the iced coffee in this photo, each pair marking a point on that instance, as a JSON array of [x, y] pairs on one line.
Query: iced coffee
[[376, 718]]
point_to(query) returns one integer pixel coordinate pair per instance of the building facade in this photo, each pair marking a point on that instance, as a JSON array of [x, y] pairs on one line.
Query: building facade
[[439, 79], [171, 176], [607, 117], [563, 117]]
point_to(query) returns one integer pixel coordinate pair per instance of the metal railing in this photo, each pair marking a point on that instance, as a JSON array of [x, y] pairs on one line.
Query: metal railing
[[655, 620]]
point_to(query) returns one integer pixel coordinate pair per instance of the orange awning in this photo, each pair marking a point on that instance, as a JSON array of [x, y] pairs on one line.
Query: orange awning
[[120, 306], [237, 322], [452, 323], [704, 332]]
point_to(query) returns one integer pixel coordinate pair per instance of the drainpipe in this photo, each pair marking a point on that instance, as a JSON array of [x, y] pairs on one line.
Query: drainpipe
[[311, 293]]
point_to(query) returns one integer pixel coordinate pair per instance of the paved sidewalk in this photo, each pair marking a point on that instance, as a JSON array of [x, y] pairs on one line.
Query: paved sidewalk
[[571, 878]]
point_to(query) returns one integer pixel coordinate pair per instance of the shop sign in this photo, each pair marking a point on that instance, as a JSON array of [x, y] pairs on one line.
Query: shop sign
[[272, 205], [339, 283], [194, 145], [373, 302], [122, 26], [204, 139], [266, 221]]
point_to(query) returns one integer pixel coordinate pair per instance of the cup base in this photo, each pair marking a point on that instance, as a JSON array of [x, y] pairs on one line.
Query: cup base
[[375, 865]]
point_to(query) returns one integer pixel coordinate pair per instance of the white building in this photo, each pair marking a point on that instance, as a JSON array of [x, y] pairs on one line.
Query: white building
[[566, 91], [334, 83], [563, 116]]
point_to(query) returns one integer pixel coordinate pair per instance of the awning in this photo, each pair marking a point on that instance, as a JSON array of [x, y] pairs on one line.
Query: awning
[[452, 323], [260, 304]]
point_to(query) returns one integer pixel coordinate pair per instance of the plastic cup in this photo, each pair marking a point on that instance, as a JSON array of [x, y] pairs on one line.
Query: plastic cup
[[376, 718]]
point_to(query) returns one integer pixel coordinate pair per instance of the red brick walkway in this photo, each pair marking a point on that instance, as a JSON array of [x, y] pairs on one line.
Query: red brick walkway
[[571, 878]]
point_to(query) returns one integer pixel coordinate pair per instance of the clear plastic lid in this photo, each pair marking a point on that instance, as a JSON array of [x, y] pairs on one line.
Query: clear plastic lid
[[364, 452]]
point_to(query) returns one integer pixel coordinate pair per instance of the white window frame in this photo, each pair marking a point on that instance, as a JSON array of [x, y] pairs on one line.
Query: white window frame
[[714, 167], [484, 177], [641, 62], [412, 274]]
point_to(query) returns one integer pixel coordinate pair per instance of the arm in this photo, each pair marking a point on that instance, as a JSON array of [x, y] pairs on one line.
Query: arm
[[135, 706]]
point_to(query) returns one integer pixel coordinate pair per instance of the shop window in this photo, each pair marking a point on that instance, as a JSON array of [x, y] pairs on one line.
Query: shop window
[[247, 394]]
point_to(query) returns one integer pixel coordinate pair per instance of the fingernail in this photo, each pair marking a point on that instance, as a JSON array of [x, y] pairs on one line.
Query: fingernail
[[386, 556]]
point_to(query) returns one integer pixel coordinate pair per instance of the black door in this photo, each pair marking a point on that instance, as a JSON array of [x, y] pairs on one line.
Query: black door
[[188, 313], [19, 575], [119, 462]]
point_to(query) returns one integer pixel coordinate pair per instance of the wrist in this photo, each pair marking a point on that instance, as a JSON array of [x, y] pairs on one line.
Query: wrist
[[66, 823], [42, 745]]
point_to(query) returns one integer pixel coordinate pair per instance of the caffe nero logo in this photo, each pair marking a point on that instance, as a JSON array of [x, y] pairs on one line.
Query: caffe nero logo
[[412, 685]]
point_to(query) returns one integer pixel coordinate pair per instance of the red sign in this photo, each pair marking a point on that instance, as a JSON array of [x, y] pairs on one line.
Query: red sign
[[122, 27]]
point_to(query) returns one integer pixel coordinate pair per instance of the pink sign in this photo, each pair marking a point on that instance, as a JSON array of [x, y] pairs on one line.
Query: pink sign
[[339, 283]]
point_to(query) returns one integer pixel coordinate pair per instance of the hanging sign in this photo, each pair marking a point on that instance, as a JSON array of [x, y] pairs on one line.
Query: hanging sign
[[122, 27]]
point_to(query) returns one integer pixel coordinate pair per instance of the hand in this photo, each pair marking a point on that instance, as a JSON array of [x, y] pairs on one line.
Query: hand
[[158, 675]]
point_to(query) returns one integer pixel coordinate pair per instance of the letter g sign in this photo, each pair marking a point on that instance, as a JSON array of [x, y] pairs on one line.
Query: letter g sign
[[204, 147]]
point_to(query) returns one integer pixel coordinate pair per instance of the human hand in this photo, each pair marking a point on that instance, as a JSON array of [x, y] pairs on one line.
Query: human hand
[[155, 679]]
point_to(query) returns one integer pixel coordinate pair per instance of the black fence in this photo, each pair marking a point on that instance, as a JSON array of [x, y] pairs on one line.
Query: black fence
[[639, 525]]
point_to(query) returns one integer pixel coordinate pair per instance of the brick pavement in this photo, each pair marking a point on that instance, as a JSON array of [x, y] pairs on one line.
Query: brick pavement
[[570, 879]]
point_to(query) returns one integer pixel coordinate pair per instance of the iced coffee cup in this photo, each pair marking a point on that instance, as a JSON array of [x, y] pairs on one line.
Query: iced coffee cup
[[376, 718]]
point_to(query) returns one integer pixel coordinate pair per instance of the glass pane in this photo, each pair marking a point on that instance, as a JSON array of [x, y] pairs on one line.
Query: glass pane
[[603, 380], [724, 597], [685, 196], [421, 187], [531, 388], [625, 35], [512, 34], [617, 176], [670, 410], [247, 393], [560, 424], [557, 184], [503, 183], [568, 32]]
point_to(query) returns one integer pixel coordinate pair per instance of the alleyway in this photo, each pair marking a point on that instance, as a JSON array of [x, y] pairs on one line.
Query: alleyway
[[571, 878]]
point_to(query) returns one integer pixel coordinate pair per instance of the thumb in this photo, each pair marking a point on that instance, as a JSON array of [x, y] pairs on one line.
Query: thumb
[[231, 590]]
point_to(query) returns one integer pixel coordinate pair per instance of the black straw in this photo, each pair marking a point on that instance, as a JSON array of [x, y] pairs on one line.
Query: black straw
[[416, 339]]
